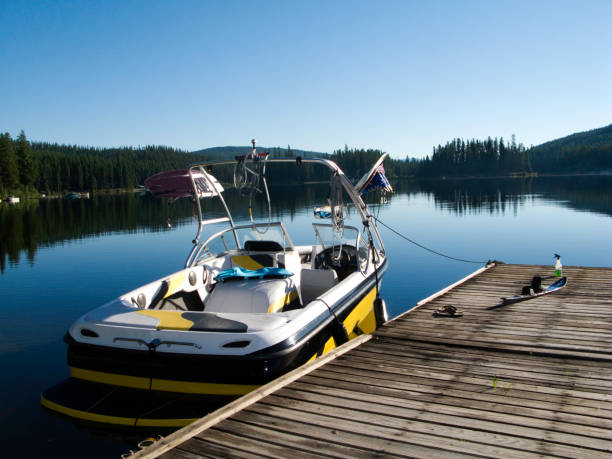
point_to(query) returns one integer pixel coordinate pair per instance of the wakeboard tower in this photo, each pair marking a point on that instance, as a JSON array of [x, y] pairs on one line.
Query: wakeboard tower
[[248, 306]]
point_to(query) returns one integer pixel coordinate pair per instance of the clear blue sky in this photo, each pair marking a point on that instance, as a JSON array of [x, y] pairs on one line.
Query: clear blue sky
[[401, 76]]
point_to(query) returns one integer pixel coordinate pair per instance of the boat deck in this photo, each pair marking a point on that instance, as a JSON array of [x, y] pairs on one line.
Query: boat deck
[[529, 379]]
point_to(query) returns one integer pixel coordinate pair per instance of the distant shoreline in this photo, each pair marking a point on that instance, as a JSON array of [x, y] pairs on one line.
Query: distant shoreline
[[513, 176], [111, 191]]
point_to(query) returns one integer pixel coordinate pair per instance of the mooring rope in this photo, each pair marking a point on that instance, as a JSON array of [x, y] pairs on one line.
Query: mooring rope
[[427, 248]]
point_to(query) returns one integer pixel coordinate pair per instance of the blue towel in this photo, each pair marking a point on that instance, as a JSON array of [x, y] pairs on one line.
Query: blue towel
[[242, 273]]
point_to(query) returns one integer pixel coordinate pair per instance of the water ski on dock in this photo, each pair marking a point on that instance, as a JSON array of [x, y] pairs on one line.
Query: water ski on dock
[[533, 291]]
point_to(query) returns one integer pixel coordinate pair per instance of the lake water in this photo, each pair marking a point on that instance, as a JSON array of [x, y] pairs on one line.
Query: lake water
[[59, 259]]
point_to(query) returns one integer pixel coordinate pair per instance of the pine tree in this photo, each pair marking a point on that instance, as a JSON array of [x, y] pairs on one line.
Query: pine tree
[[9, 173], [25, 163]]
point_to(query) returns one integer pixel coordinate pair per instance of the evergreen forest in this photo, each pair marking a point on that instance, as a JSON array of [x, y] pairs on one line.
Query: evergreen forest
[[31, 168]]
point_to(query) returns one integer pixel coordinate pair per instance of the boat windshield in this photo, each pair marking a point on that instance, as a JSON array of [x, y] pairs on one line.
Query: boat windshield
[[330, 237], [233, 239]]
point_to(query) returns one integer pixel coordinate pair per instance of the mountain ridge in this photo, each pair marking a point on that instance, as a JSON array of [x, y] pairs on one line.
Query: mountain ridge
[[230, 151]]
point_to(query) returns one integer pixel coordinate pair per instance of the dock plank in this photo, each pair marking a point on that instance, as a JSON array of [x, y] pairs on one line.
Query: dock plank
[[486, 416], [397, 383], [397, 416], [370, 436], [492, 400]]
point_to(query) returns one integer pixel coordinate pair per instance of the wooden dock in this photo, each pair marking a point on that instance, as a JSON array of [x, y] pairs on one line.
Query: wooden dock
[[530, 379]]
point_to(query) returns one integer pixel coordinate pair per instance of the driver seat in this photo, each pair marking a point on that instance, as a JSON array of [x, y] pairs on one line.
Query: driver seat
[[315, 282]]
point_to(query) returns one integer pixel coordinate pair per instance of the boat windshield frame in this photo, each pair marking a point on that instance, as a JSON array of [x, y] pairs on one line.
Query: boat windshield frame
[[194, 256], [205, 168]]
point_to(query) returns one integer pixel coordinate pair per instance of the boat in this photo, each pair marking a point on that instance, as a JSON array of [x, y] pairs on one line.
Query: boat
[[248, 306], [529, 292], [72, 196], [75, 195]]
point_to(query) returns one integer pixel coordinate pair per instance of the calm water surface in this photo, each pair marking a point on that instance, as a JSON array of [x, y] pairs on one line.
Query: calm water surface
[[59, 259]]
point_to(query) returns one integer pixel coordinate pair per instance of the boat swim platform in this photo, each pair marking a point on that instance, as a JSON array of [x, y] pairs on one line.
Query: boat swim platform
[[529, 379]]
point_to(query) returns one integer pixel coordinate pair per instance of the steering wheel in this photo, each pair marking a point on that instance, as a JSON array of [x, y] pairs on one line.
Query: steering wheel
[[334, 258]]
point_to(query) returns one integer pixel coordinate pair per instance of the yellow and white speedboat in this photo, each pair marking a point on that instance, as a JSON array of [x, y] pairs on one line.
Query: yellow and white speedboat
[[249, 306]]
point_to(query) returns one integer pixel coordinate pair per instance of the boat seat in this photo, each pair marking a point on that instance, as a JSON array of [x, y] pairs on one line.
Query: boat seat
[[314, 282], [253, 296]]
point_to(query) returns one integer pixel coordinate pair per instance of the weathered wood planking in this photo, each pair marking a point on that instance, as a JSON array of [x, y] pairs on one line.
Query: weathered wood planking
[[529, 379], [563, 323]]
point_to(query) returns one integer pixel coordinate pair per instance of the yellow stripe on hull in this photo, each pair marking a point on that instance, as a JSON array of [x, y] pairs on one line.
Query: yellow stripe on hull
[[165, 385], [362, 316], [361, 320], [329, 345], [189, 387], [136, 382], [117, 420], [86, 415]]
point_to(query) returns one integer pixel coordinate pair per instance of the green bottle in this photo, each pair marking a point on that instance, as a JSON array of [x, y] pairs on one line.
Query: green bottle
[[558, 266]]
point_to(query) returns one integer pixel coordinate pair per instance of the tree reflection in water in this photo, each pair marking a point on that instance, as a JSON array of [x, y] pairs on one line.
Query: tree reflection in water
[[32, 224]]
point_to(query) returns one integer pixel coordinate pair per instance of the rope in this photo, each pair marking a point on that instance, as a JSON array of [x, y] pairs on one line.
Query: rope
[[428, 249]]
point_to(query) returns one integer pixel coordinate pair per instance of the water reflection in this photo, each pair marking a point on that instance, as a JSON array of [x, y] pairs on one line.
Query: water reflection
[[39, 223], [506, 195], [32, 224]]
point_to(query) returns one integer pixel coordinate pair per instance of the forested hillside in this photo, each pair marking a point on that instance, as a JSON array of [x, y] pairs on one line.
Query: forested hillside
[[356, 162], [583, 152], [232, 152], [52, 168], [490, 157], [580, 152], [39, 167]]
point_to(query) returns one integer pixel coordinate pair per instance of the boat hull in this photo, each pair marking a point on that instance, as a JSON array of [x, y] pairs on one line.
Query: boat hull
[[214, 374], [191, 383]]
